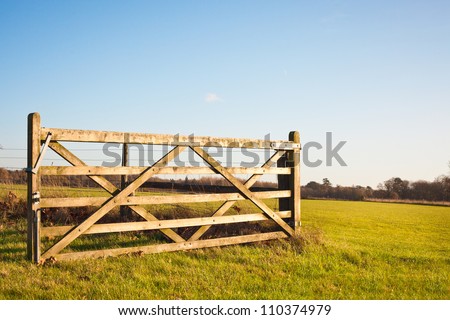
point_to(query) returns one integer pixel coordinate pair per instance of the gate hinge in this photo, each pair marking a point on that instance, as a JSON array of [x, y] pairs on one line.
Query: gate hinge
[[36, 197]]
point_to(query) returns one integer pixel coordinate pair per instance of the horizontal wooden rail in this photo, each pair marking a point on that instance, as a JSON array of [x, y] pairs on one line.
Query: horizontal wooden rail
[[155, 199], [168, 247], [95, 170], [163, 139], [161, 224]]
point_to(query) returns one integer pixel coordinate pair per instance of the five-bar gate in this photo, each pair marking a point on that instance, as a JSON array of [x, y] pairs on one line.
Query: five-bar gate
[[285, 162]]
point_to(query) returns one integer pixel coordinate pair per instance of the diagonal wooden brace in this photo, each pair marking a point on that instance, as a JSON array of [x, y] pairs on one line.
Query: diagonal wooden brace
[[228, 204], [111, 203], [35, 169], [111, 188], [244, 190]]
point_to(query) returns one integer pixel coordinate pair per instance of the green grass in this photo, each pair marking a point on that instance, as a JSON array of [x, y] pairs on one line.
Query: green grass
[[348, 250]]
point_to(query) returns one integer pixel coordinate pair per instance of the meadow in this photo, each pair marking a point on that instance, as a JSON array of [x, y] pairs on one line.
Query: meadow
[[346, 250]]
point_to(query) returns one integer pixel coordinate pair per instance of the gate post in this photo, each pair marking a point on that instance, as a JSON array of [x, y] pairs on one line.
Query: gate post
[[124, 210], [283, 184], [294, 181], [33, 188], [291, 159]]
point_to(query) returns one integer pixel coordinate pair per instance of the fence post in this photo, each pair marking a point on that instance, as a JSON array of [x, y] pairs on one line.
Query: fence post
[[293, 159], [124, 210], [33, 181]]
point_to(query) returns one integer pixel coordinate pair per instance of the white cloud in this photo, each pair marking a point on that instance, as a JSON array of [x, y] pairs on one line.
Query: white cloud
[[212, 97]]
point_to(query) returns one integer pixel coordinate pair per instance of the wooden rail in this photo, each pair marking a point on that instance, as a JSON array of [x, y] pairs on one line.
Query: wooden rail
[[285, 162]]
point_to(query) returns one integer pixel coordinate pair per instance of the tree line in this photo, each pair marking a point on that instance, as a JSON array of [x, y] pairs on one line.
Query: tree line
[[393, 189], [188, 183]]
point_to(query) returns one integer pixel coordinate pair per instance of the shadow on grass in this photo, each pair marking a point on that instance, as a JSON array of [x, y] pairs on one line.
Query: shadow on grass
[[109, 241], [12, 246]]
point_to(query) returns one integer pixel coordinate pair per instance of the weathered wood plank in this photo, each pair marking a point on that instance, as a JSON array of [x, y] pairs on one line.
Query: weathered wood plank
[[168, 247], [33, 187], [161, 224], [207, 197], [243, 189], [111, 203], [96, 170], [108, 186], [229, 203], [163, 139], [156, 199], [73, 202]]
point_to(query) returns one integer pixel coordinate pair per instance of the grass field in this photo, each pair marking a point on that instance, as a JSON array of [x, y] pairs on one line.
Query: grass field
[[347, 250]]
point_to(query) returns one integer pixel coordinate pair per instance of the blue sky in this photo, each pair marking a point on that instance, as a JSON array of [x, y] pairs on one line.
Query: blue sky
[[376, 74]]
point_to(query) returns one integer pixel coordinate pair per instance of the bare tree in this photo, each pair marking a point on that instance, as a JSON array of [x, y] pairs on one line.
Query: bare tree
[[326, 182]]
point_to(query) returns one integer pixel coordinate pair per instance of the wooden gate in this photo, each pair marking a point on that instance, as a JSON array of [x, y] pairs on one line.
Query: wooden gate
[[285, 162]]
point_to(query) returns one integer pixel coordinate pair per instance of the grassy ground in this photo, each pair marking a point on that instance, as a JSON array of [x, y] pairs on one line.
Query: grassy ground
[[347, 250]]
